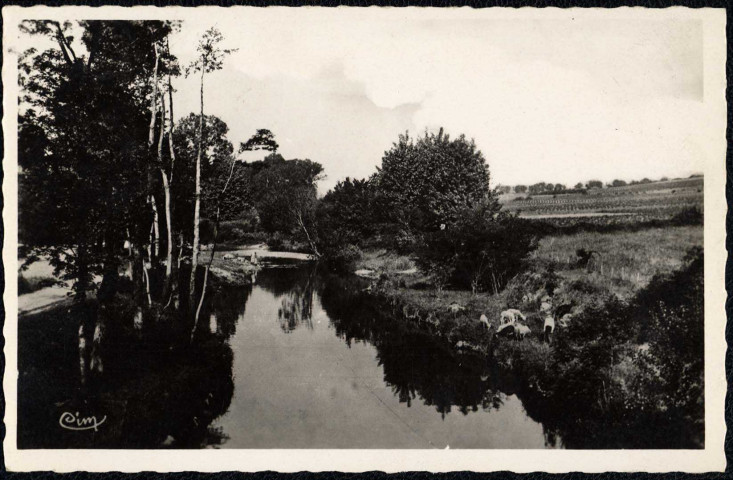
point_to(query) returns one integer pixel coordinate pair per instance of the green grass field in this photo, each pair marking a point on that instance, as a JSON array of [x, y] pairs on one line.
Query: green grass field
[[627, 261]]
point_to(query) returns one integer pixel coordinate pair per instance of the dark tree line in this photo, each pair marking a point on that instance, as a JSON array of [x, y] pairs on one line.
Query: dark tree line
[[113, 189]]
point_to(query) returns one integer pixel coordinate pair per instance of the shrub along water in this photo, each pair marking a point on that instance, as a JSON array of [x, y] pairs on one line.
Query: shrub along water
[[482, 250], [619, 367]]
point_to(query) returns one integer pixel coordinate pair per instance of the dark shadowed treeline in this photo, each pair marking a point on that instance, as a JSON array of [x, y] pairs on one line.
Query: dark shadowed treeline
[[119, 194]]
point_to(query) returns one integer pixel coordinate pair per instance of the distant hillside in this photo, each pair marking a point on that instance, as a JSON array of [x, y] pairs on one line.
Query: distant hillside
[[655, 200]]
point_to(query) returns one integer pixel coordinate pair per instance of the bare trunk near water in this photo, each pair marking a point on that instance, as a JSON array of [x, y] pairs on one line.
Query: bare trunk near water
[[173, 284], [197, 197], [213, 249], [167, 193], [299, 218]]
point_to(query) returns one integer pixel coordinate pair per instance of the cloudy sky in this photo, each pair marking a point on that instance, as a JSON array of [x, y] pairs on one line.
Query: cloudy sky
[[548, 95], [559, 99]]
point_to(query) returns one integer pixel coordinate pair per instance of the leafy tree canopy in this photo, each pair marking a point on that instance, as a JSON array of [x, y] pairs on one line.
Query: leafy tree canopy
[[428, 180]]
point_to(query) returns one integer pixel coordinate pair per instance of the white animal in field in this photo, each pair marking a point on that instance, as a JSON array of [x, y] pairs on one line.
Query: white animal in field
[[565, 320], [455, 308], [510, 316], [548, 328], [506, 330], [484, 321], [521, 331]]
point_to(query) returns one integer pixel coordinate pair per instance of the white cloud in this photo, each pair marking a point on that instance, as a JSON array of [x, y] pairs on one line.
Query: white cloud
[[564, 98]]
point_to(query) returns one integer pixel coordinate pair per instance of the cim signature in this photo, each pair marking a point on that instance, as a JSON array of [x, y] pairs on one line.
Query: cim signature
[[71, 421]]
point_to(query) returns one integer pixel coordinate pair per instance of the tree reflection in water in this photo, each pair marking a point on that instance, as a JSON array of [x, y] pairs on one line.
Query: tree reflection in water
[[415, 364], [296, 287], [226, 307]]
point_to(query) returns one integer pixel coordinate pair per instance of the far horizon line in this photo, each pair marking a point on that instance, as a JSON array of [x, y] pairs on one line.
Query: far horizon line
[[663, 178]]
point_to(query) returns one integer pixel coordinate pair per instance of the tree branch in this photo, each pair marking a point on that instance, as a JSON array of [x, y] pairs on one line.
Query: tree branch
[[93, 48], [62, 42]]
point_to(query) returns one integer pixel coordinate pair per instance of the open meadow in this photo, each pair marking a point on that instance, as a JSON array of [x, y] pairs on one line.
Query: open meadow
[[617, 205]]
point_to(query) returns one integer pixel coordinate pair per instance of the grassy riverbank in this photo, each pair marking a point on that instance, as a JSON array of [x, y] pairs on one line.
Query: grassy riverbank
[[619, 364], [627, 263]]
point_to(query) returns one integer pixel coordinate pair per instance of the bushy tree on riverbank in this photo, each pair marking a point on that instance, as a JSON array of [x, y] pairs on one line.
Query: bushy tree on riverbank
[[426, 182], [347, 213], [285, 194]]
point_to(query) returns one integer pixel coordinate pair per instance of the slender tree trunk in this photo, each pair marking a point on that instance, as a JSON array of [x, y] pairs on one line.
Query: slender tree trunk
[[299, 217], [138, 269], [203, 294], [105, 298], [82, 285], [175, 281], [82, 281], [147, 285], [197, 197], [169, 236], [153, 100], [96, 365], [174, 271], [82, 353], [213, 250], [167, 193], [156, 231]]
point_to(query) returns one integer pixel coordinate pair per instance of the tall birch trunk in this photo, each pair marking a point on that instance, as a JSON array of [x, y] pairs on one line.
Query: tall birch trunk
[[213, 250], [167, 193], [173, 282], [301, 223], [153, 99], [197, 197], [154, 230], [141, 285], [96, 365]]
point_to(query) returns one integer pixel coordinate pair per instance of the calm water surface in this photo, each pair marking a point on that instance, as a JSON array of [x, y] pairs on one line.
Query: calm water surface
[[315, 368]]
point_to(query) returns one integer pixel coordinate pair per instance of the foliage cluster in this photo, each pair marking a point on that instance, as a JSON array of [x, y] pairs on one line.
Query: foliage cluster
[[625, 363], [428, 181], [481, 251], [430, 198]]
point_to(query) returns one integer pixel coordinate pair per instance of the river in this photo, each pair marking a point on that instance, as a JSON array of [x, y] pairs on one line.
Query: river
[[311, 369], [298, 359]]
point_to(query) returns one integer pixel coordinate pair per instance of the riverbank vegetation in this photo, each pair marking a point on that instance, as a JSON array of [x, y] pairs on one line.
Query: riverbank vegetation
[[443, 257]]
